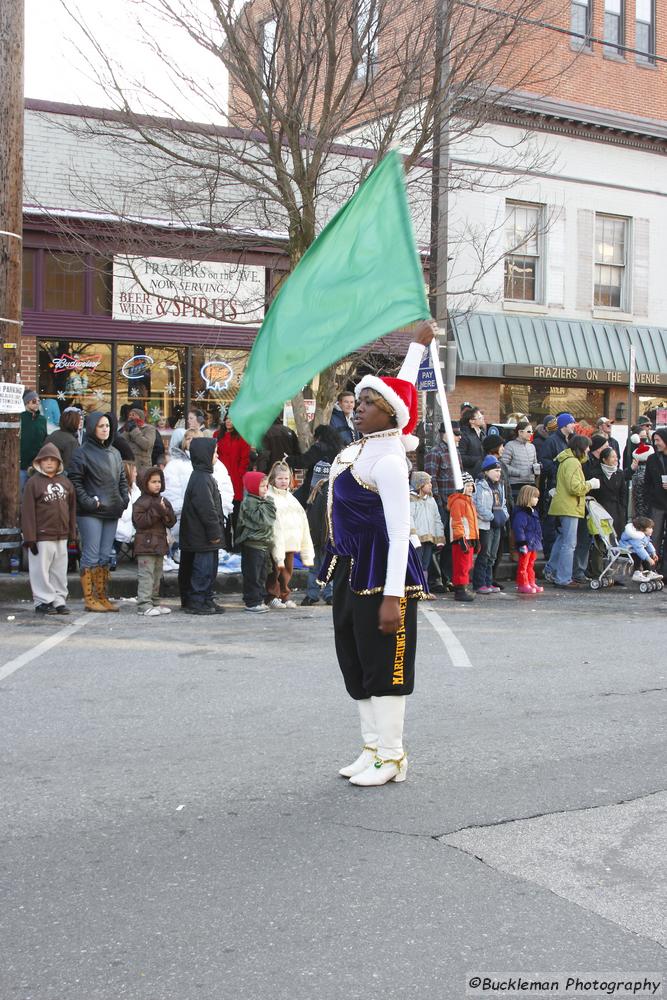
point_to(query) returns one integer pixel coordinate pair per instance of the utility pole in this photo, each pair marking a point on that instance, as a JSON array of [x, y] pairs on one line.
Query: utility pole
[[11, 216], [439, 249]]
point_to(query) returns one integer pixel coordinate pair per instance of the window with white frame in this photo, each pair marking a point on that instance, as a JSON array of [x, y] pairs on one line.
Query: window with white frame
[[611, 242], [523, 252], [645, 30], [580, 22], [366, 37], [613, 27], [268, 46]]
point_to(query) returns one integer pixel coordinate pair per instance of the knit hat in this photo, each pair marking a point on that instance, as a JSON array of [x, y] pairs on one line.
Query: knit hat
[[642, 452], [490, 463], [597, 440], [491, 443], [29, 395], [661, 433], [420, 479], [563, 420], [402, 397], [467, 478], [251, 481], [643, 419]]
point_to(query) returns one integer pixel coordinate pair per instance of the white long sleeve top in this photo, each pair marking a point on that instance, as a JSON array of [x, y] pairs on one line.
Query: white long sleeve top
[[379, 461]]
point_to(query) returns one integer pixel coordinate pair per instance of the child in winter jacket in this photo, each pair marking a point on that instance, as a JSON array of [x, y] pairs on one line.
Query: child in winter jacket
[[464, 537], [492, 515], [201, 533], [292, 536], [256, 534], [425, 522], [151, 516], [637, 538], [527, 532], [48, 522]]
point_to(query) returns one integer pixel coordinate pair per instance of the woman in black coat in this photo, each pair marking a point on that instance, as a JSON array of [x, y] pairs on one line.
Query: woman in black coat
[[201, 532], [612, 493], [97, 474], [326, 445], [66, 438]]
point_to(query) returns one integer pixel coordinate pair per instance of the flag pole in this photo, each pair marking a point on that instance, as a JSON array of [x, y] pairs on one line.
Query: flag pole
[[446, 419]]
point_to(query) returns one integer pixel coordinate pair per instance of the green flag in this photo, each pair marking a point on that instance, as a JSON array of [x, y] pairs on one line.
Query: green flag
[[358, 281]]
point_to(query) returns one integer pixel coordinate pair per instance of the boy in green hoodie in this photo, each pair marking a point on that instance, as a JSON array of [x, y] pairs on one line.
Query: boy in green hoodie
[[255, 532]]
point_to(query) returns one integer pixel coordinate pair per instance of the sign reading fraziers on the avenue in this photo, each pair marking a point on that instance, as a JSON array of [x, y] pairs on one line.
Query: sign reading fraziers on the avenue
[[158, 289], [602, 376]]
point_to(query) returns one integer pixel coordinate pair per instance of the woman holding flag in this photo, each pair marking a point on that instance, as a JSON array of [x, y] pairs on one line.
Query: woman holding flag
[[377, 574]]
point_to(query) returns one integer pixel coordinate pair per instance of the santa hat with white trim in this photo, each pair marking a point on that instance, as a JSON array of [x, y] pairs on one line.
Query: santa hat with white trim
[[402, 397]]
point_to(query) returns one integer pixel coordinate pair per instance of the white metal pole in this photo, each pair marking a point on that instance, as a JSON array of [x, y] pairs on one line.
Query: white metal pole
[[446, 419]]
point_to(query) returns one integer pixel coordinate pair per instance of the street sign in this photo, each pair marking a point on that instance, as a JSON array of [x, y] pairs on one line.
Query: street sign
[[11, 397], [426, 375]]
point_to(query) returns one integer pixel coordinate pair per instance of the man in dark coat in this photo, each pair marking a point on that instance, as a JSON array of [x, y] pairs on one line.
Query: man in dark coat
[[278, 442], [341, 417], [471, 450], [553, 446], [604, 427], [202, 529], [655, 486]]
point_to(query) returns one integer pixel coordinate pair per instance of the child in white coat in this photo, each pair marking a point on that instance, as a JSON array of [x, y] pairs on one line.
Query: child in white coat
[[291, 537], [425, 521]]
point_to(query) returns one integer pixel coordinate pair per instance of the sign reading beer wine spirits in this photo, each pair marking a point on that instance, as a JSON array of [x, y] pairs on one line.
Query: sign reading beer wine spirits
[[161, 290]]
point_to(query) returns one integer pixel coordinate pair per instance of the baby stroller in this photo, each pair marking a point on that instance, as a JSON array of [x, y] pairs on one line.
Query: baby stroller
[[615, 560]]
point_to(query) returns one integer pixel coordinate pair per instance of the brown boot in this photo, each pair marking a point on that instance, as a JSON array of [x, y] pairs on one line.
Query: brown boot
[[101, 584], [89, 597]]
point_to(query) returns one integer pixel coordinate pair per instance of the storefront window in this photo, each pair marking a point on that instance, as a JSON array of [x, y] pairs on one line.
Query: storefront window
[[75, 374], [540, 398], [216, 377], [28, 286], [64, 282], [153, 378]]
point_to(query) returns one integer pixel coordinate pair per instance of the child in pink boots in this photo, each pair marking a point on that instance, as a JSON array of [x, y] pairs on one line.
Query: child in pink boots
[[528, 535]]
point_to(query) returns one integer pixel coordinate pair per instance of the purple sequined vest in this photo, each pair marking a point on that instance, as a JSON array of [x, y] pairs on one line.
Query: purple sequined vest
[[358, 531]]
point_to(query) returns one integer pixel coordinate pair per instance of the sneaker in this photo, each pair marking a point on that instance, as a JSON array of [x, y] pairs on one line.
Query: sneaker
[[258, 609], [461, 594], [525, 588], [275, 602], [62, 609], [217, 609], [484, 590], [497, 586], [45, 609], [168, 565], [572, 585], [494, 588], [203, 610], [150, 613], [289, 604], [537, 589], [164, 610], [309, 602], [548, 576]]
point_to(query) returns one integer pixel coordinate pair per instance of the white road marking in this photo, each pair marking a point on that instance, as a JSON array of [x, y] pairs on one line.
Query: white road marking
[[455, 650], [43, 647]]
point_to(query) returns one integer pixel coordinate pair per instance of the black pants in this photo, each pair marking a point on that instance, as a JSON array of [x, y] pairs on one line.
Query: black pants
[[184, 573], [202, 578], [254, 568], [372, 663]]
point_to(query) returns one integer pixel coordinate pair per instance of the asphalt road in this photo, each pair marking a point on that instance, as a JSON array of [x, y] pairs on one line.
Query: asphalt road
[[173, 827]]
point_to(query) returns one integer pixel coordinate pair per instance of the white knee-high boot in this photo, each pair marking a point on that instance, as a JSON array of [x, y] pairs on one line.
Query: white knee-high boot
[[390, 763], [369, 736]]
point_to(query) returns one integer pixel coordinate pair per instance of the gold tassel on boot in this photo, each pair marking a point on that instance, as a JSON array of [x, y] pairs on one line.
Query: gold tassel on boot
[[89, 597], [101, 584]]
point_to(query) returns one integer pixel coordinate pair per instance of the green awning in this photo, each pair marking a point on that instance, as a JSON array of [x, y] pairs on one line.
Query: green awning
[[489, 342]]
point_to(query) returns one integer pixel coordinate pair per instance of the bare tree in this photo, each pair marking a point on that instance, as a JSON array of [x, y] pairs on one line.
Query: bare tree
[[307, 79]]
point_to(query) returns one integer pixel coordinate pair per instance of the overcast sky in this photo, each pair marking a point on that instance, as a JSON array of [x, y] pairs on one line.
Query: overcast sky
[[54, 71]]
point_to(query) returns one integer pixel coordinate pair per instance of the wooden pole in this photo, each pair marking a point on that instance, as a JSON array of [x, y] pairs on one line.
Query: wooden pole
[[11, 215]]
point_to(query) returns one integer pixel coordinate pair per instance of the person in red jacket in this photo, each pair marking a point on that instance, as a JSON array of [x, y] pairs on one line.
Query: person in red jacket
[[234, 453]]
